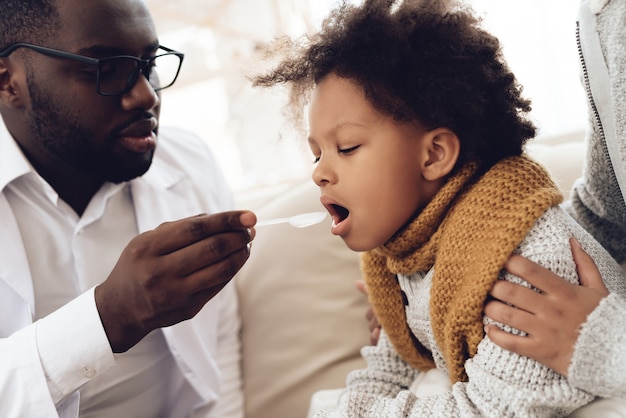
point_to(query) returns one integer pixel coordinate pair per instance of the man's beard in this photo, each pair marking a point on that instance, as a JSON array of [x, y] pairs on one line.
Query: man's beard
[[62, 135]]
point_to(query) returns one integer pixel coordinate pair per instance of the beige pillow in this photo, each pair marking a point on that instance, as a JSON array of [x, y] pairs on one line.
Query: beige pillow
[[303, 319], [563, 160]]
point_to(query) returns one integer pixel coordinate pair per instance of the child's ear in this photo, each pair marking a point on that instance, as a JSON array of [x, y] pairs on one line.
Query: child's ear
[[443, 148]]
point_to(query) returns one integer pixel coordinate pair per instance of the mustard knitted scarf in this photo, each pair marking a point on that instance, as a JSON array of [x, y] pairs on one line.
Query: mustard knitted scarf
[[467, 232]]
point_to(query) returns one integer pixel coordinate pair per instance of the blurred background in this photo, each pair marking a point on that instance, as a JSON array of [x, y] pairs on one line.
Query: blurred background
[[245, 127]]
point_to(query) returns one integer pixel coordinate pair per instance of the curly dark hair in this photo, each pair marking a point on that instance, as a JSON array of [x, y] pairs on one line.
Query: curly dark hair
[[30, 21], [419, 60]]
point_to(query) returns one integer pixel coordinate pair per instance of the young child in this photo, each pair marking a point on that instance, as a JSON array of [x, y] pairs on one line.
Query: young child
[[417, 127]]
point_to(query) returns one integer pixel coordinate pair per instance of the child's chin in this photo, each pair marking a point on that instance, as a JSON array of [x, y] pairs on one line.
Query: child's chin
[[358, 247]]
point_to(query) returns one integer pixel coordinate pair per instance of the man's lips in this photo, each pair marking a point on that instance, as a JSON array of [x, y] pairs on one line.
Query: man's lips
[[140, 136]]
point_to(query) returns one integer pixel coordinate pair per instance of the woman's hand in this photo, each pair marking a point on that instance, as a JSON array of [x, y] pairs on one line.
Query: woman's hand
[[552, 318], [372, 321]]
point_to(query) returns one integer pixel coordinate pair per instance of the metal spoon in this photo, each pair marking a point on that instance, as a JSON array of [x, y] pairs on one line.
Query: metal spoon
[[299, 221]]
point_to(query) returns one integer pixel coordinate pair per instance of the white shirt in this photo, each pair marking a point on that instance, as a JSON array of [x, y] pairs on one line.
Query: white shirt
[[44, 361], [69, 255]]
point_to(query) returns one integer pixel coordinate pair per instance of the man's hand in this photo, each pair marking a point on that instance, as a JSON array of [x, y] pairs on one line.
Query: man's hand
[[167, 275], [552, 318]]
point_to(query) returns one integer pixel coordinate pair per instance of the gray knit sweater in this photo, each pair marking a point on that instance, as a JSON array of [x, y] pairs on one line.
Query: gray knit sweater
[[501, 383], [598, 199]]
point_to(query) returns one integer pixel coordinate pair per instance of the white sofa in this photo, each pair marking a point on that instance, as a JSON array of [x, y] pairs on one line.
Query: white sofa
[[303, 319]]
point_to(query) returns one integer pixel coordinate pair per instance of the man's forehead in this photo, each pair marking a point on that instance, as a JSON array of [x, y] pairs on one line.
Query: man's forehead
[[105, 22]]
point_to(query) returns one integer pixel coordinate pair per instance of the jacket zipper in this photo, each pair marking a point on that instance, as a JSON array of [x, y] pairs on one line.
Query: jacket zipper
[[592, 103]]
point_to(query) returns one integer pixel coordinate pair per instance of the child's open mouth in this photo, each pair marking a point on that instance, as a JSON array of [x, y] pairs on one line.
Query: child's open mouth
[[338, 213]]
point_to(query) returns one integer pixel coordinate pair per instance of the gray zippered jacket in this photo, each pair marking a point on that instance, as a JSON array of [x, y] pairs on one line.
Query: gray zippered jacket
[[598, 199]]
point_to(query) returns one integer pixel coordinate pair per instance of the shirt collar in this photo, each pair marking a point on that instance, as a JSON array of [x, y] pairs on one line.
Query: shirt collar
[[13, 162], [15, 165]]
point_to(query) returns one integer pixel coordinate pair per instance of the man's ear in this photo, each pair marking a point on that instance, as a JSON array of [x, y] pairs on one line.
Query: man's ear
[[443, 148], [11, 93]]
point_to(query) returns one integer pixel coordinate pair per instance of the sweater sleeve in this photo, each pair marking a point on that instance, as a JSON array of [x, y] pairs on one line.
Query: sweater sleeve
[[500, 383], [599, 361]]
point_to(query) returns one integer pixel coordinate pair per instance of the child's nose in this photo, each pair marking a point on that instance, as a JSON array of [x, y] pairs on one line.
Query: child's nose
[[322, 173]]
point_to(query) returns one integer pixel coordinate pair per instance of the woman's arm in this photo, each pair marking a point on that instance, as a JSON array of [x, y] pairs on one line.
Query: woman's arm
[[552, 318], [564, 323]]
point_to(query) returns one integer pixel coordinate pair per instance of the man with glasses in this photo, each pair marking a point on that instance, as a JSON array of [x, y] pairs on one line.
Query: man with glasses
[[106, 267]]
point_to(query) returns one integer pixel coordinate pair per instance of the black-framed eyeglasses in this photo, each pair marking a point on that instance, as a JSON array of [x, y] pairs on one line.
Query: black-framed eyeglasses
[[117, 75]]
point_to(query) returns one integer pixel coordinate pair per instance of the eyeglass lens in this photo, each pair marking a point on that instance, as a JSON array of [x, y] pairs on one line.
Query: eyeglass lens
[[118, 75]]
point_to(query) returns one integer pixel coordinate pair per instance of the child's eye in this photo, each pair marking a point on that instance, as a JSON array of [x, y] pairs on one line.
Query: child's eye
[[316, 160], [348, 150]]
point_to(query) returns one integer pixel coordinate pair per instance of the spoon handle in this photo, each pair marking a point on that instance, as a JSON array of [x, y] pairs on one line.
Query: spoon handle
[[272, 222]]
